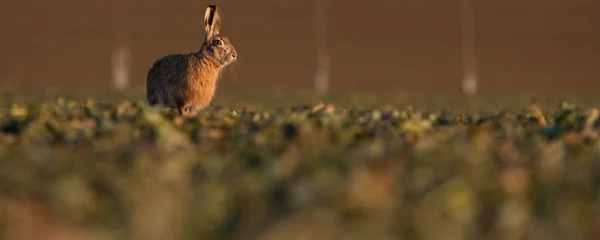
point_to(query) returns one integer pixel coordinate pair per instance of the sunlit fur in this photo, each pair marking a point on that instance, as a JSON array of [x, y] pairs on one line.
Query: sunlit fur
[[187, 82]]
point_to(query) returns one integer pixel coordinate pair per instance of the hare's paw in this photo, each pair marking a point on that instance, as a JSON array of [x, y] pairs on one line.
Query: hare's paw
[[187, 111]]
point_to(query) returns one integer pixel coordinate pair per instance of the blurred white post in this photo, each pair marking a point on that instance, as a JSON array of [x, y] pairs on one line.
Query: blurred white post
[[323, 58], [469, 57], [121, 67], [122, 56]]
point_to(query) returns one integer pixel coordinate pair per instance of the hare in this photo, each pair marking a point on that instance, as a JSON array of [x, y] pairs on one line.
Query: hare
[[187, 82]]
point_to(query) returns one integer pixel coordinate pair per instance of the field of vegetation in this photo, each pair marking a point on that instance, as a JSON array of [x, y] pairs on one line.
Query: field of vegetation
[[99, 165]]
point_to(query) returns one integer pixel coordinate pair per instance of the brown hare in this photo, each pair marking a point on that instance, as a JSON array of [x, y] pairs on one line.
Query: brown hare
[[187, 82]]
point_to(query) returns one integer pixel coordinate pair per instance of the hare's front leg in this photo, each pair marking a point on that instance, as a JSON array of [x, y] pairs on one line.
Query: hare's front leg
[[184, 111], [190, 110], [183, 107]]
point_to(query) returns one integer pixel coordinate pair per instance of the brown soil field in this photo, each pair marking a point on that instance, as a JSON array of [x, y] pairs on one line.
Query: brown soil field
[[549, 45]]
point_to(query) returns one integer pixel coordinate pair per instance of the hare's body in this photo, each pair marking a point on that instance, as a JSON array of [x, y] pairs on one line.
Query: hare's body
[[187, 82], [182, 80]]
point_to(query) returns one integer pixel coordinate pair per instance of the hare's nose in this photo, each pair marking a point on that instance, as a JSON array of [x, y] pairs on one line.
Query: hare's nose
[[234, 56]]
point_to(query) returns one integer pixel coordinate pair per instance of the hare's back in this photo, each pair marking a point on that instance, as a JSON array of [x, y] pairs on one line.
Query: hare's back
[[168, 69]]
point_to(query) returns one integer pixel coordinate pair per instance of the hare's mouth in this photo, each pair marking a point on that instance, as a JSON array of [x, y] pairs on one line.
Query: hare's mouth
[[230, 58]]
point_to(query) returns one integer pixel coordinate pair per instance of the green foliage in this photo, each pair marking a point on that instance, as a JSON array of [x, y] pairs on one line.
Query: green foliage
[[127, 171]]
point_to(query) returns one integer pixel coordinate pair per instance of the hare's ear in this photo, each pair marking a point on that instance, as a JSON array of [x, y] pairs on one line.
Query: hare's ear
[[212, 21]]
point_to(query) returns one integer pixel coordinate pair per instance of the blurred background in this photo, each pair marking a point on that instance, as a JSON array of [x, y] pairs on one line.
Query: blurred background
[[459, 180], [408, 45]]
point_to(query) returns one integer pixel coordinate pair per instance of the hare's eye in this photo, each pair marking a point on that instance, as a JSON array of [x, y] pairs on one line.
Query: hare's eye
[[217, 42]]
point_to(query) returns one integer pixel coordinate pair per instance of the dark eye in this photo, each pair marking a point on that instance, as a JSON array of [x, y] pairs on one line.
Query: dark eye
[[218, 42]]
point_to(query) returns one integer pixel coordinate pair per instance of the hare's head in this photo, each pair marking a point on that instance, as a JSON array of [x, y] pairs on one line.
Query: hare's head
[[216, 46]]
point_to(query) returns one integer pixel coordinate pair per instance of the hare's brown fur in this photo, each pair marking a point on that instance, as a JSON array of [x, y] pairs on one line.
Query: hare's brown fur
[[187, 82]]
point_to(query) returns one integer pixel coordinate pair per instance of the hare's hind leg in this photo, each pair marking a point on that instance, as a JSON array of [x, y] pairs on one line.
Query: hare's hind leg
[[155, 96], [151, 96], [156, 100]]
